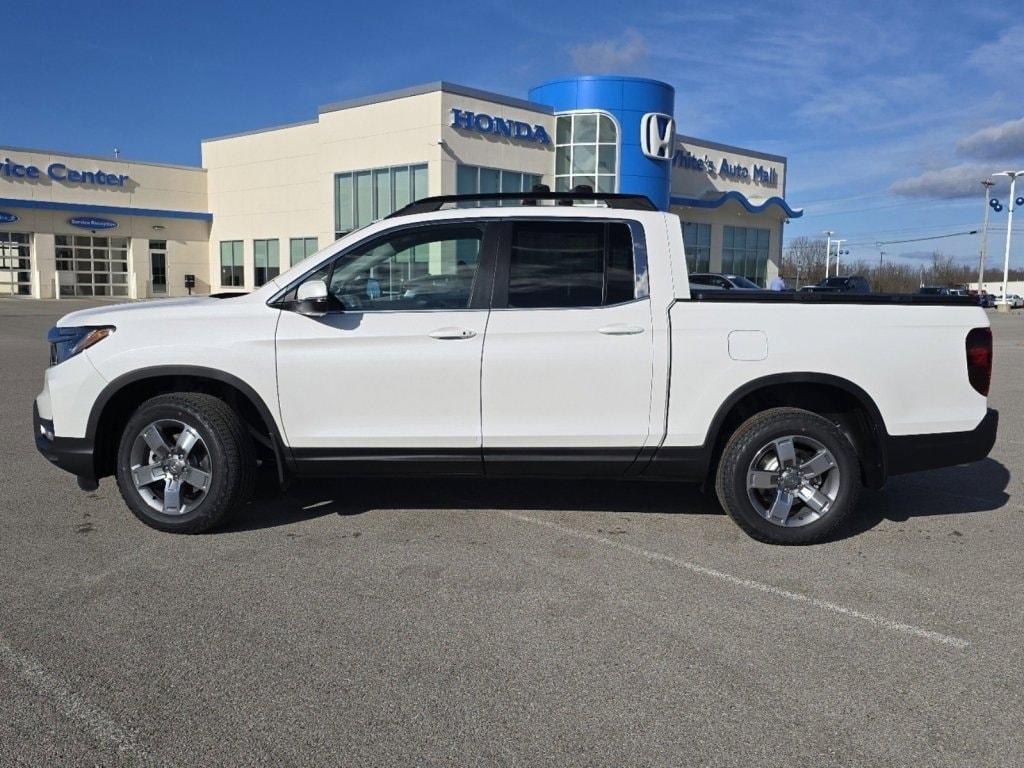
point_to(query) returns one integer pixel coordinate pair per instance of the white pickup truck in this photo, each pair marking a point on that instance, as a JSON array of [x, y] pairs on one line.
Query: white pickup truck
[[524, 335]]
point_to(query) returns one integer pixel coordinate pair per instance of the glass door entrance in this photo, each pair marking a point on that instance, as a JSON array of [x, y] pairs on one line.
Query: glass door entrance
[[15, 264], [98, 264]]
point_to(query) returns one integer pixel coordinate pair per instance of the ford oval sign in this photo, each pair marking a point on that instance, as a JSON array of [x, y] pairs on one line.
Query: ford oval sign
[[7, 218], [91, 222]]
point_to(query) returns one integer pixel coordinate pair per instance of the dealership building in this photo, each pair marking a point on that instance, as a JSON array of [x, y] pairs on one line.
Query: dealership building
[[81, 225]]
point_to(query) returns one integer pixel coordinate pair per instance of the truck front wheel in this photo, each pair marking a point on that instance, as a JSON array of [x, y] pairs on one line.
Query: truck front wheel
[[788, 476], [185, 462]]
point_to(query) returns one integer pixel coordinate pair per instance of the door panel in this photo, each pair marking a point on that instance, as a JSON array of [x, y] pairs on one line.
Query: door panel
[[557, 378], [381, 379], [568, 358], [391, 376]]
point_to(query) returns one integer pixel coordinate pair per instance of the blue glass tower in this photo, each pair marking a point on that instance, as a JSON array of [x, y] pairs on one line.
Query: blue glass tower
[[627, 100]]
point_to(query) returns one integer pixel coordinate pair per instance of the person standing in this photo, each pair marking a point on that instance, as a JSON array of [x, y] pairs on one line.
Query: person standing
[[778, 284]]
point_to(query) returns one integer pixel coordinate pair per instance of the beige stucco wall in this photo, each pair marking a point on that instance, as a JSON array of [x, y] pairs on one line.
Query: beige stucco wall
[[149, 185]]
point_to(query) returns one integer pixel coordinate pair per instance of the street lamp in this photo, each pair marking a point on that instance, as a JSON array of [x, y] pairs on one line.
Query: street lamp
[[983, 251], [1014, 202], [839, 245], [828, 249]]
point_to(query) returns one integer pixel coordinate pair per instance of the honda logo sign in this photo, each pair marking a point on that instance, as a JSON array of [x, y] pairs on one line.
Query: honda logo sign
[[657, 135]]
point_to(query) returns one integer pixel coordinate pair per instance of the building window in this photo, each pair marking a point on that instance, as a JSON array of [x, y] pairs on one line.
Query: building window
[[232, 272], [472, 179], [266, 259], [300, 248], [99, 264], [586, 152], [697, 243], [158, 266], [15, 265], [745, 252], [361, 197]]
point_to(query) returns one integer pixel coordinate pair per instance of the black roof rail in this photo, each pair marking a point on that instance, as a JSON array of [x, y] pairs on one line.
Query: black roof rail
[[612, 200]]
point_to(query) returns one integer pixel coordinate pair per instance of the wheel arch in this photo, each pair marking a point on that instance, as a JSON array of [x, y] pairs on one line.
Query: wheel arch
[[853, 409], [126, 392]]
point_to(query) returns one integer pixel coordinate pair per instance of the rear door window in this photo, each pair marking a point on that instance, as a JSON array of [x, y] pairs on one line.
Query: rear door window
[[563, 264]]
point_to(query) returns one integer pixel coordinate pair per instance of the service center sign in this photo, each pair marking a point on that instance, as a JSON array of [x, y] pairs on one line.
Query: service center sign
[[62, 173], [91, 222]]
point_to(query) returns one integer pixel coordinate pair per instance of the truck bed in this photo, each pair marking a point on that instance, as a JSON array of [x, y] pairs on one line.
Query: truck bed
[[808, 297]]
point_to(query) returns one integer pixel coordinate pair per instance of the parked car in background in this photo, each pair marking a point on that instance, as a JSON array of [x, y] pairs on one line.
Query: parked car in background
[[1015, 301], [725, 282], [984, 300], [851, 284]]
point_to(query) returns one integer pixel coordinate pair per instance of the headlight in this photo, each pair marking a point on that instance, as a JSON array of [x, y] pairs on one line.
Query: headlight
[[68, 342]]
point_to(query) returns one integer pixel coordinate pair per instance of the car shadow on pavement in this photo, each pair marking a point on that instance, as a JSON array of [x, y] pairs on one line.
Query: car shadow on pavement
[[978, 487], [312, 498], [975, 487]]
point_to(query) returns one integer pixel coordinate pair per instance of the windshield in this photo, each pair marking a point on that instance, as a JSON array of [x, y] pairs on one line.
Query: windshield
[[742, 282]]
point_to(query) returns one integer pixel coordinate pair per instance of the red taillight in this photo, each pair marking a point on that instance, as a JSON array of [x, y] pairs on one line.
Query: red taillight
[[979, 359]]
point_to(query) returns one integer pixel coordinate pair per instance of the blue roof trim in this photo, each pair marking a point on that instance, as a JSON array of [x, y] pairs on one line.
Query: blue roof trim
[[696, 202], [46, 205]]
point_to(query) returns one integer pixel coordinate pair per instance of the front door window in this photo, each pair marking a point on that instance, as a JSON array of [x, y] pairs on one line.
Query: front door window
[[429, 268]]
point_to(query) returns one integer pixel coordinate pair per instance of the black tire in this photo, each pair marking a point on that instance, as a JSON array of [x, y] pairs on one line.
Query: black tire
[[751, 441], [227, 450]]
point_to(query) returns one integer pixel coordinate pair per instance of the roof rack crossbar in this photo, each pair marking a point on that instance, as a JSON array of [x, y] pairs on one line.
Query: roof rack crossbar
[[612, 200]]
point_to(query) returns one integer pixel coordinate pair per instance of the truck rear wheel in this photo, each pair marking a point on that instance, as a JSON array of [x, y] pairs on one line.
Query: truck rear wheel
[[788, 476], [185, 462]]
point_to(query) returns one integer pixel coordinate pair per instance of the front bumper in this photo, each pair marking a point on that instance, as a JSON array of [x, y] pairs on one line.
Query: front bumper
[[913, 453], [72, 454]]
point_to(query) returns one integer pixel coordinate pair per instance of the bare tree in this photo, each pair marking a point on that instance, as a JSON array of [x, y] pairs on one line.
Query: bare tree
[[803, 261], [805, 257]]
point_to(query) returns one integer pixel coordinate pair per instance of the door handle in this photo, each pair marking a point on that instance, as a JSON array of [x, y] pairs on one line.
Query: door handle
[[452, 333], [621, 329]]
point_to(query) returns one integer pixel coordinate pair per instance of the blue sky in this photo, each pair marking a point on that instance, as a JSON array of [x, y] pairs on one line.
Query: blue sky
[[889, 112]]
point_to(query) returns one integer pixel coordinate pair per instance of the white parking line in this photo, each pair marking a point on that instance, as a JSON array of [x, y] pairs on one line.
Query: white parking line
[[101, 725], [878, 621]]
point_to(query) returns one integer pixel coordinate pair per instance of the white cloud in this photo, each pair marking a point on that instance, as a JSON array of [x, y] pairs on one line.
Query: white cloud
[[624, 54], [957, 181], [998, 55], [996, 142]]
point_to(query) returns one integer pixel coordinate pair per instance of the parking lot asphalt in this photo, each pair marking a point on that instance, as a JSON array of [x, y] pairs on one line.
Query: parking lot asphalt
[[393, 622]]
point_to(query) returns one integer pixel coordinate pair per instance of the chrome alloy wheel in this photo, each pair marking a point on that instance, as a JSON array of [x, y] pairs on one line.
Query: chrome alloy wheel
[[170, 466], [793, 481]]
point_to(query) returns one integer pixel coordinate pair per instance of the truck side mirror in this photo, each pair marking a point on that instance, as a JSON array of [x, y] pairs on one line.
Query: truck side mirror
[[311, 298]]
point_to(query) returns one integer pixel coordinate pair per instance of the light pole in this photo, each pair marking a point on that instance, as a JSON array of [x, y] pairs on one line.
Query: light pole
[[828, 249], [1012, 175], [839, 247], [983, 251]]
